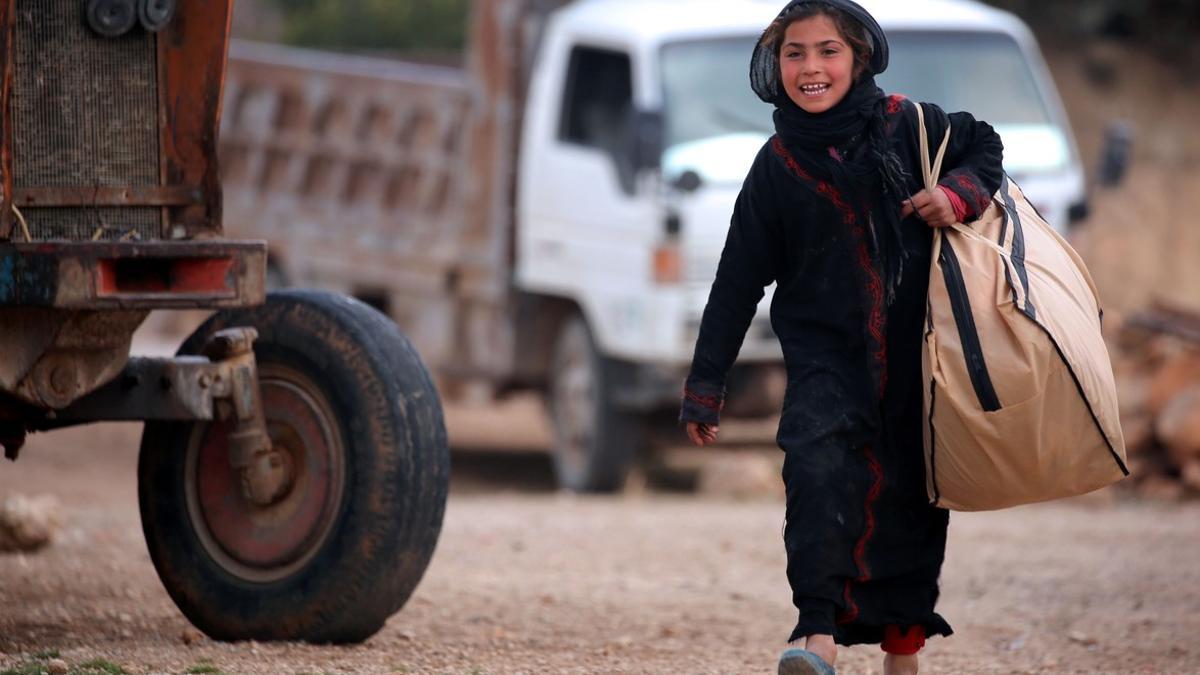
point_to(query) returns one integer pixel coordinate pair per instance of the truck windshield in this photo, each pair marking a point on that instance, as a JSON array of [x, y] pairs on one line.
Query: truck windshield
[[984, 73], [715, 124]]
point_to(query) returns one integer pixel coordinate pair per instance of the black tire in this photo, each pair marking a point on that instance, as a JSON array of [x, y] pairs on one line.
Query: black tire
[[594, 441], [347, 396]]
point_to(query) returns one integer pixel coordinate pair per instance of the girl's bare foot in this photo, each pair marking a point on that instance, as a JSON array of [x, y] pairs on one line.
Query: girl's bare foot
[[896, 664]]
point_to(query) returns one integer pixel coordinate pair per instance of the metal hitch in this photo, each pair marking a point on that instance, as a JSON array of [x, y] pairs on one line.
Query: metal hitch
[[266, 472], [222, 384]]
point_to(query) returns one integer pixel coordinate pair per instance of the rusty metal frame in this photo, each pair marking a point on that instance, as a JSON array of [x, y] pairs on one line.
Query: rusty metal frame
[[192, 53], [7, 26], [189, 388], [68, 309], [133, 275], [182, 388], [172, 389], [169, 195]]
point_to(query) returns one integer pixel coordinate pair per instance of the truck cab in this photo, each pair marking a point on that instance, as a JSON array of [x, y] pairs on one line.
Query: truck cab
[[640, 126]]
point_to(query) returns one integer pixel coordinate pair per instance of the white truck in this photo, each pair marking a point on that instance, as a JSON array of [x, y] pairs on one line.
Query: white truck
[[550, 217]]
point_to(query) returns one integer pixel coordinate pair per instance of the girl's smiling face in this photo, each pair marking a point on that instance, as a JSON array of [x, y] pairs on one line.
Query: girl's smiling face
[[815, 64]]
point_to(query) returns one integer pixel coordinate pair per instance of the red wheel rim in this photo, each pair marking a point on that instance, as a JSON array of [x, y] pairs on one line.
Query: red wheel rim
[[266, 543]]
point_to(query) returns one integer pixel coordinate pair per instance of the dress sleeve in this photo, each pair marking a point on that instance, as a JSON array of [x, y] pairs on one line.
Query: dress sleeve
[[746, 268], [973, 167]]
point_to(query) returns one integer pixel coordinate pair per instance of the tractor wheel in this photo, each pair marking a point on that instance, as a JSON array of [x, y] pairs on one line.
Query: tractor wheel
[[354, 412]]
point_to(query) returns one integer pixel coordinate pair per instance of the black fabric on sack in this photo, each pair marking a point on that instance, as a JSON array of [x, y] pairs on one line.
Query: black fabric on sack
[[864, 547]]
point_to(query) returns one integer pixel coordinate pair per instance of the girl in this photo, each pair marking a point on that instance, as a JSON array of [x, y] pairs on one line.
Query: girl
[[833, 213]]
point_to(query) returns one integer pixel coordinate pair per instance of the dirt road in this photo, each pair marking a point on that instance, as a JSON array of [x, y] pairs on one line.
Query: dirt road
[[528, 580]]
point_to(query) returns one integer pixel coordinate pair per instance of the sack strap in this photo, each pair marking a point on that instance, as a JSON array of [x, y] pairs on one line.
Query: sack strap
[[931, 174]]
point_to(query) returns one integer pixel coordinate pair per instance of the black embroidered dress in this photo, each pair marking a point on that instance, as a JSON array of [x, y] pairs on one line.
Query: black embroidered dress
[[864, 548]]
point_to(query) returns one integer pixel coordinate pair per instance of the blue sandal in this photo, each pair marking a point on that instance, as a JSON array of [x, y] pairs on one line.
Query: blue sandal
[[803, 662]]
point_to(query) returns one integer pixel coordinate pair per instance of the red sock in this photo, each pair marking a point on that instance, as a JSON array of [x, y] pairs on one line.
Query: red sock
[[903, 642]]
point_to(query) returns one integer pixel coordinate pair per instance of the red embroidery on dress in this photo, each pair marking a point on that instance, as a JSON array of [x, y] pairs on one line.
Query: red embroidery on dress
[[894, 103], [710, 402], [876, 327], [875, 317], [978, 199], [860, 548]]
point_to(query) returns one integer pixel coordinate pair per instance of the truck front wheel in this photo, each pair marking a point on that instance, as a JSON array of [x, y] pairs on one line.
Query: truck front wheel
[[595, 441], [357, 426]]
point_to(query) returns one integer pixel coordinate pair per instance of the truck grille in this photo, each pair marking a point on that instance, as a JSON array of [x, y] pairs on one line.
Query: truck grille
[[85, 114]]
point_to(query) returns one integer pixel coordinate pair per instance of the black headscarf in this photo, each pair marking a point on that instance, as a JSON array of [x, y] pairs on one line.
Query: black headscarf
[[868, 171]]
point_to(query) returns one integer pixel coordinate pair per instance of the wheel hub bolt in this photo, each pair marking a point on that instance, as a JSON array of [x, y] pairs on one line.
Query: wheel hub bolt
[[269, 478]]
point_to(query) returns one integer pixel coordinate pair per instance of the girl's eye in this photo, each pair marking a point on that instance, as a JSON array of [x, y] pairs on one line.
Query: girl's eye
[[830, 52]]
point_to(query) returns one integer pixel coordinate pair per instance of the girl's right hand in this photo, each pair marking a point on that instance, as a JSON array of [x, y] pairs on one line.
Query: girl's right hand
[[702, 434], [931, 206]]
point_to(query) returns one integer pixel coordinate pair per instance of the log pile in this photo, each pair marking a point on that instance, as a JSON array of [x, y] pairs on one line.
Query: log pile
[[1157, 364]]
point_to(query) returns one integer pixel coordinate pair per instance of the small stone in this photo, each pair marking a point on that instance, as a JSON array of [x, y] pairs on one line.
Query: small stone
[[28, 523], [190, 636], [1081, 638], [57, 667]]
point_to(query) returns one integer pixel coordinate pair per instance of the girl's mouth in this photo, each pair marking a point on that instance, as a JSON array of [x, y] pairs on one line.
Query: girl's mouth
[[814, 89]]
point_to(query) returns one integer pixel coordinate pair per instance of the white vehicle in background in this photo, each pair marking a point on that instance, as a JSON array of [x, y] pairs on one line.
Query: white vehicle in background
[[623, 128]]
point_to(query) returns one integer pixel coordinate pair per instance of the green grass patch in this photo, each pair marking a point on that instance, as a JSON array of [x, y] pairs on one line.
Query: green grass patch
[[203, 667], [39, 667], [27, 668], [47, 654], [97, 667]]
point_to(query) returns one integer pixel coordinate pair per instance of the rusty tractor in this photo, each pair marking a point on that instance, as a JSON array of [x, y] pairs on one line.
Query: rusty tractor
[[293, 469]]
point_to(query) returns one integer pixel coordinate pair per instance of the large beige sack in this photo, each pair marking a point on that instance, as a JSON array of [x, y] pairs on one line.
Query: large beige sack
[[1021, 403]]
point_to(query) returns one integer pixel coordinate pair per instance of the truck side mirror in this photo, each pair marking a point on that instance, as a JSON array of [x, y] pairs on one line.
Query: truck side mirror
[[646, 139], [688, 181], [1114, 158]]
